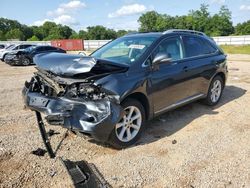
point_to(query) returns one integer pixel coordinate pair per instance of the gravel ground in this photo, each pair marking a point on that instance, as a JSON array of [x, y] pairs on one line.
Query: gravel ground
[[194, 146]]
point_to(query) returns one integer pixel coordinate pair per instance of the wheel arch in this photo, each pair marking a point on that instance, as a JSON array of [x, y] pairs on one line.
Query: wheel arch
[[142, 99], [222, 75]]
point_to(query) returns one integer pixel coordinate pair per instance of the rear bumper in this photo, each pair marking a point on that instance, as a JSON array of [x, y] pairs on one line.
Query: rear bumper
[[83, 116]]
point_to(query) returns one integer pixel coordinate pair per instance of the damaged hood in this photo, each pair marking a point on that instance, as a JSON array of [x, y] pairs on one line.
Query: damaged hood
[[64, 64], [70, 65]]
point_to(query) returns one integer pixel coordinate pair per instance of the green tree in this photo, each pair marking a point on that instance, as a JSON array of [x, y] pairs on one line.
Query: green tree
[[243, 28], [221, 24], [83, 34], [37, 31], [27, 32], [100, 33], [148, 21], [15, 34], [64, 31], [2, 36], [6, 25], [33, 38], [121, 33], [200, 18]]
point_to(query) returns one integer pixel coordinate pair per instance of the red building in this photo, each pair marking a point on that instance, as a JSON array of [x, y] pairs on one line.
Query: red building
[[69, 44]]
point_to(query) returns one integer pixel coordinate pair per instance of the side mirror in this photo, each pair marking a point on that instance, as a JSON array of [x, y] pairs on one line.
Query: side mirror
[[82, 53], [161, 58]]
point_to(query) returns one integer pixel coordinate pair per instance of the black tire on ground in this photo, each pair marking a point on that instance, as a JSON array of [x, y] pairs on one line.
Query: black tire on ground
[[208, 100], [26, 61], [4, 58], [114, 140]]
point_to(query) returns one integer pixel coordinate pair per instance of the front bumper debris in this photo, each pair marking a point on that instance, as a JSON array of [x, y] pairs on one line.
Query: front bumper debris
[[12, 60], [96, 118]]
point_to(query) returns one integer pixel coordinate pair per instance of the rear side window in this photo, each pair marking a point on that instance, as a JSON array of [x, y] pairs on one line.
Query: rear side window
[[195, 46]]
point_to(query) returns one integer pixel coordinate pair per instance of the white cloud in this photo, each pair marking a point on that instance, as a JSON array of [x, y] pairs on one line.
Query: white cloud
[[245, 7], [128, 10], [66, 20], [63, 19], [63, 14], [130, 25], [66, 8], [218, 1], [40, 22]]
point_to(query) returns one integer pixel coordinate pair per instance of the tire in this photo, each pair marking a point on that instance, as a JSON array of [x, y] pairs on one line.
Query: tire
[[4, 58], [25, 61], [119, 137], [215, 91]]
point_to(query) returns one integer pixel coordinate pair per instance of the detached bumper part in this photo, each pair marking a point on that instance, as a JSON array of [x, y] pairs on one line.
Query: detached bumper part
[[96, 118]]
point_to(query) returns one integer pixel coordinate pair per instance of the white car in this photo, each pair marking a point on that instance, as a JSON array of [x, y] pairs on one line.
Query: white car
[[10, 48]]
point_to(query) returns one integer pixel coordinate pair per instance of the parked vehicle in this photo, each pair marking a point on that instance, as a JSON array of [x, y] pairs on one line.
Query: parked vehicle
[[135, 78], [11, 48], [25, 57], [2, 46]]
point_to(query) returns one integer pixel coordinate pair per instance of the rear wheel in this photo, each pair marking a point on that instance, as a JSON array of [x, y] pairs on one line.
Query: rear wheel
[[127, 131], [215, 91]]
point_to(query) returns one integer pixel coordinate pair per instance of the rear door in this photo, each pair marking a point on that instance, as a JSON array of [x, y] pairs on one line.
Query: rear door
[[202, 58]]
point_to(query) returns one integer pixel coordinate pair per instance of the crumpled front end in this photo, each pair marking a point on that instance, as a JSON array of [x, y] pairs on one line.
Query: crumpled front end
[[80, 106]]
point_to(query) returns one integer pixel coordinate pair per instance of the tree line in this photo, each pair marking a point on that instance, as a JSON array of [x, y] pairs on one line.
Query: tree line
[[219, 24]]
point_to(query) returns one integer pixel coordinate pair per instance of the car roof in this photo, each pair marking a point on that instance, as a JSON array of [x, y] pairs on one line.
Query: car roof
[[144, 34], [167, 33]]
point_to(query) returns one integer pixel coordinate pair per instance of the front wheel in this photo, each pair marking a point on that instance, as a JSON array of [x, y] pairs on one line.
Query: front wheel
[[215, 91], [26, 61], [127, 131]]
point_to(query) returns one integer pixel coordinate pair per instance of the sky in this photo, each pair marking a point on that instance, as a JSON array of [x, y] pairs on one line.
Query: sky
[[114, 14]]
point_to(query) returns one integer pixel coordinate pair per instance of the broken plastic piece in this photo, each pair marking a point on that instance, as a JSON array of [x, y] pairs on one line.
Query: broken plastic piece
[[82, 175], [51, 132], [39, 152]]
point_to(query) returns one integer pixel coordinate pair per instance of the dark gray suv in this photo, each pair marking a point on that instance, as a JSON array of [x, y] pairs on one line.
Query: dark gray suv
[[111, 93]]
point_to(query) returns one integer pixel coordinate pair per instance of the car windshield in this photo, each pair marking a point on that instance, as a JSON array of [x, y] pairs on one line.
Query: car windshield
[[126, 50], [30, 48], [10, 46]]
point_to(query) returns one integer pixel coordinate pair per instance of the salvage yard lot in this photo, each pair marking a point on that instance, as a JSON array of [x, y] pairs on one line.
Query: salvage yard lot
[[212, 146]]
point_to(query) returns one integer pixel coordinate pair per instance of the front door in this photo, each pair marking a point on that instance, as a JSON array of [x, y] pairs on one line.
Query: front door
[[169, 81]]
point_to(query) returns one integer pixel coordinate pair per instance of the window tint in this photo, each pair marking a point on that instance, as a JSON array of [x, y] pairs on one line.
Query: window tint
[[24, 46], [40, 49], [209, 47], [195, 46], [172, 47], [49, 48]]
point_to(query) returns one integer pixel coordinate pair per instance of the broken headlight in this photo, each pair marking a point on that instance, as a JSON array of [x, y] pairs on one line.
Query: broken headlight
[[96, 111]]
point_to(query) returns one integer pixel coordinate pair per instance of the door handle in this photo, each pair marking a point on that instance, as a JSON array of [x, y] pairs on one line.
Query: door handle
[[185, 68]]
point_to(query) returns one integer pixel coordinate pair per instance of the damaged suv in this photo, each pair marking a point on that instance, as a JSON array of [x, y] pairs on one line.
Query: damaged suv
[[111, 93]]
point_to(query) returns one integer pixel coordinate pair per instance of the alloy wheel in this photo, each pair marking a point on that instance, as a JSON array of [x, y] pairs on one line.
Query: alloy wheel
[[129, 126], [216, 91], [26, 61]]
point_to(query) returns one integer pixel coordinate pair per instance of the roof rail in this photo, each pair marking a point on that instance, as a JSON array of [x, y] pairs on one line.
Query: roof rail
[[184, 31], [131, 33]]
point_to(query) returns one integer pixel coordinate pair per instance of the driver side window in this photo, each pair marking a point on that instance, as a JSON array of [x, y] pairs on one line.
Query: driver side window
[[171, 47]]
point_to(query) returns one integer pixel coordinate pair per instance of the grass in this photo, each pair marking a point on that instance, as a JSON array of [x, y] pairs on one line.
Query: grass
[[229, 49]]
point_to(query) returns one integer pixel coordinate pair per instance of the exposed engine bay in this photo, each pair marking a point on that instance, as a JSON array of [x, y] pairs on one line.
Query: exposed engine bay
[[75, 102]]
